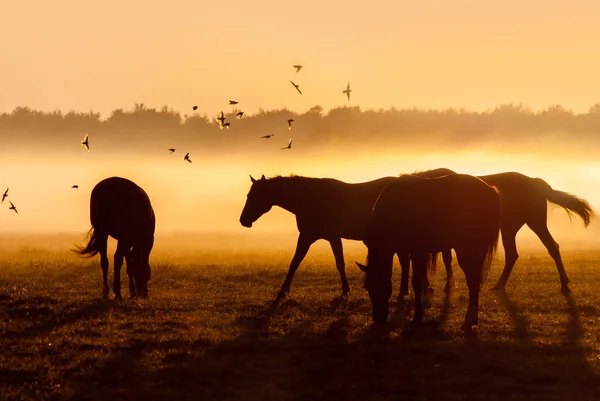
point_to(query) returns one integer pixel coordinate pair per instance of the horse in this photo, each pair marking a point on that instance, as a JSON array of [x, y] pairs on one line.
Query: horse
[[325, 208], [419, 216], [524, 201], [121, 209]]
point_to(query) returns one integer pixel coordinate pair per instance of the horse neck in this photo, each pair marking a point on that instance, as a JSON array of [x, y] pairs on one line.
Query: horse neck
[[289, 194]]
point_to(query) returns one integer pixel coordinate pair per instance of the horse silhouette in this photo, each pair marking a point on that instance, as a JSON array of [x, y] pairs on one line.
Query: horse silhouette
[[121, 209], [419, 216], [524, 201], [325, 208]]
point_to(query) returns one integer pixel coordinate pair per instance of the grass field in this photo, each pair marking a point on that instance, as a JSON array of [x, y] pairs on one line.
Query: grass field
[[211, 331]]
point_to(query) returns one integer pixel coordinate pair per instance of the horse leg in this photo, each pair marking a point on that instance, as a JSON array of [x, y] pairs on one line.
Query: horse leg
[[511, 255], [102, 249], [404, 259], [132, 286], [419, 264], [338, 253], [473, 269], [450, 282], [544, 235], [119, 255], [304, 243]]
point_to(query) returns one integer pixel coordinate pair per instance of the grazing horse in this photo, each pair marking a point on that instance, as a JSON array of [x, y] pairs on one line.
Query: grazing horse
[[325, 208], [121, 209], [524, 201], [418, 217]]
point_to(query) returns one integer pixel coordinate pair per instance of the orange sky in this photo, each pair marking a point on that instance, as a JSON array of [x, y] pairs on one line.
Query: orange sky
[[476, 54]]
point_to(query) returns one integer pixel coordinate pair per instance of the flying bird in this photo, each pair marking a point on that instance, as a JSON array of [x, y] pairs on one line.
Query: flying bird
[[289, 145], [226, 125], [221, 119], [290, 121], [171, 150], [75, 186], [298, 67], [297, 87], [267, 136], [233, 102], [12, 207], [239, 114], [86, 143], [347, 91], [195, 108], [187, 157], [5, 195]]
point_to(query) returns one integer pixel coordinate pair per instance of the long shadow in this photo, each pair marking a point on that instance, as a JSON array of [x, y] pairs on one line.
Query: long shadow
[[519, 321], [46, 320], [574, 329], [375, 365]]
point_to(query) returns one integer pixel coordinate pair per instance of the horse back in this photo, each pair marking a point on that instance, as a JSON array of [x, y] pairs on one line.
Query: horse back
[[436, 213]]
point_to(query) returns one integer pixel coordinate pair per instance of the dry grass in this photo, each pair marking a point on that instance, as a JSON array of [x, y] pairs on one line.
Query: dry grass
[[210, 330]]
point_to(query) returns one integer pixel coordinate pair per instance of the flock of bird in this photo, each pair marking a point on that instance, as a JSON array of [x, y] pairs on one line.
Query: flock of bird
[[222, 124]]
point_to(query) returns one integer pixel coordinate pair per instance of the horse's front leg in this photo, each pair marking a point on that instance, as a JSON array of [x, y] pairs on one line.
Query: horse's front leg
[[302, 247], [404, 259], [419, 263], [132, 286], [120, 253]]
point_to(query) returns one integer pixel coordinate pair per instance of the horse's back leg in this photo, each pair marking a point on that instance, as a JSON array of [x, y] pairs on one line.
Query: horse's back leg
[[404, 260], [450, 282], [509, 236], [541, 230], [338, 253], [120, 253], [302, 247], [102, 240]]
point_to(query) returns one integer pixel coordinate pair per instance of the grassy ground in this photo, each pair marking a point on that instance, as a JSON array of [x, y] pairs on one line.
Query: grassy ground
[[211, 331]]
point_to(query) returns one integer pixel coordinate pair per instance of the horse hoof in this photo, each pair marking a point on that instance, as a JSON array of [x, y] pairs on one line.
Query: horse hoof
[[498, 288], [118, 298], [282, 294]]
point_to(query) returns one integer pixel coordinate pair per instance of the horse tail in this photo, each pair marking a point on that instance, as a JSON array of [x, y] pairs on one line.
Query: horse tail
[[494, 216], [91, 249], [571, 203]]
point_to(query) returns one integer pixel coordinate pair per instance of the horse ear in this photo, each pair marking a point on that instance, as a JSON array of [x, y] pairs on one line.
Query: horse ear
[[252, 179], [361, 267], [263, 177]]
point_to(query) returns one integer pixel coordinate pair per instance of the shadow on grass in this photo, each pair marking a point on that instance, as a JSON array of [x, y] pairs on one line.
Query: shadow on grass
[[422, 363]]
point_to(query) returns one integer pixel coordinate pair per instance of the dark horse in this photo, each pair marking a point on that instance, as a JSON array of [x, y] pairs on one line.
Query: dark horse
[[524, 201], [121, 209], [418, 217], [325, 209]]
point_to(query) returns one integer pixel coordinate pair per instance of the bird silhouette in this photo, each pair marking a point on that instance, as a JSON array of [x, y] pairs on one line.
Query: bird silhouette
[[290, 121], [226, 125], [195, 108], [267, 136], [298, 67], [297, 87], [86, 143], [347, 91], [239, 114], [12, 207], [221, 119], [289, 145], [75, 186], [5, 195], [187, 158], [171, 150], [233, 102]]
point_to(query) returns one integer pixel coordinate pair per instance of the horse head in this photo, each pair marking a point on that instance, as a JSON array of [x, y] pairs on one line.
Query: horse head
[[378, 283], [258, 202], [141, 272]]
